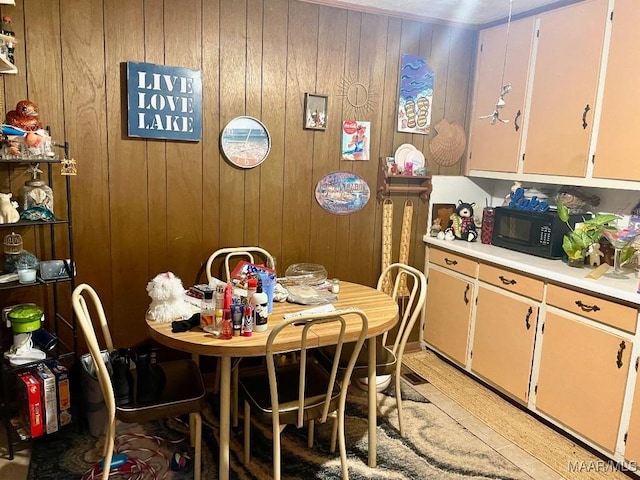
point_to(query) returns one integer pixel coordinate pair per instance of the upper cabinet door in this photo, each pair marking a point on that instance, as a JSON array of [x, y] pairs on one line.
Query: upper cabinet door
[[496, 147], [564, 87], [618, 140]]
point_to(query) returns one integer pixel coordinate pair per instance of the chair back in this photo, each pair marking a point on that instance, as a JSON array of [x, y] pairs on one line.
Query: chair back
[[84, 298], [230, 252], [306, 331], [413, 282]]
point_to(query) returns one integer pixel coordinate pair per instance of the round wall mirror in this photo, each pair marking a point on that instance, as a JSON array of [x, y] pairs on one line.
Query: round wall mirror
[[245, 142]]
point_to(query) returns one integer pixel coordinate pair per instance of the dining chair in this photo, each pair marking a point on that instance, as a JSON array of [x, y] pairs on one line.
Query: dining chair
[[302, 392], [184, 391], [250, 253], [410, 291]]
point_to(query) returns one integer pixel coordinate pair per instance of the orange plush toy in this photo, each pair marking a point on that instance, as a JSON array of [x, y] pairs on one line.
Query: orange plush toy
[[25, 116]]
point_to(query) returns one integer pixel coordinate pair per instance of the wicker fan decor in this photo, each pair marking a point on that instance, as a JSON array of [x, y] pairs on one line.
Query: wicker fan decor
[[448, 145]]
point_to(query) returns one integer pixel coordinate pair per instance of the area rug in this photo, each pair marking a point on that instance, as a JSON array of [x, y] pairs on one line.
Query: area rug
[[435, 447], [521, 428]]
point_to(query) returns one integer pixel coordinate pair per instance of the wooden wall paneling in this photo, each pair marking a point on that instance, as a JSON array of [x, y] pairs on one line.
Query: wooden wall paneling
[[124, 41], [298, 167], [350, 75], [154, 40], [83, 76], [184, 159], [440, 65], [233, 67], [426, 45], [371, 69], [332, 29], [274, 83], [254, 95]]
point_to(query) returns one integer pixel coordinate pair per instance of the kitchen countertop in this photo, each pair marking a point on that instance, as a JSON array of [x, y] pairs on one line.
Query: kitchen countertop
[[554, 270]]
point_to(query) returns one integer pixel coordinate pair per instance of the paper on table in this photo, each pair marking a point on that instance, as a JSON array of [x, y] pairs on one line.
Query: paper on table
[[319, 309]]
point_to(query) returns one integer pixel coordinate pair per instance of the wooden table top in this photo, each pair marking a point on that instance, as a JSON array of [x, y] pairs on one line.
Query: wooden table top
[[380, 308]]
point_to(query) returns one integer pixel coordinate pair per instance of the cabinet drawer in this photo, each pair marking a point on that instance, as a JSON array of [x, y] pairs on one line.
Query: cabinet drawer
[[514, 282], [453, 261], [601, 310]]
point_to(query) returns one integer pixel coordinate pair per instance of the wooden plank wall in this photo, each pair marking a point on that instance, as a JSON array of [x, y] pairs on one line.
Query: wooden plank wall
[[145, 206]]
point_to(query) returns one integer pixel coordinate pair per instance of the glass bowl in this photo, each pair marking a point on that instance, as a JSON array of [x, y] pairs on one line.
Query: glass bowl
[[306, 274]]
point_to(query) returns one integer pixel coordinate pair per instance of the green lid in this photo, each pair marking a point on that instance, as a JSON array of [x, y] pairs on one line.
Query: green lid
[[25, 318]]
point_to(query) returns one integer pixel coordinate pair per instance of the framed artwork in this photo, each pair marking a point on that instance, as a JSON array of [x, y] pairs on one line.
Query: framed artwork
[[245, 142], [416, 95], [355, 140], [315, 111], [342, 193]]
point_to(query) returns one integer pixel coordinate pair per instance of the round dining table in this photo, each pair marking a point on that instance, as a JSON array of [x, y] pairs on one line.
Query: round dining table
[[382, 314]]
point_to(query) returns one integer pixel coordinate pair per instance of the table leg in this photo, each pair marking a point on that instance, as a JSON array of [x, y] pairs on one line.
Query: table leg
[[225, 412], [373, 407]]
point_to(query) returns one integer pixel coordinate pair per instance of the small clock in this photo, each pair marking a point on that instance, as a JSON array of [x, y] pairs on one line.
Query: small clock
[[245, 142]]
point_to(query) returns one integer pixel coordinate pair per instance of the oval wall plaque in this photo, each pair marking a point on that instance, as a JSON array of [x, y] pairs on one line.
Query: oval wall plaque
[[342, 193]]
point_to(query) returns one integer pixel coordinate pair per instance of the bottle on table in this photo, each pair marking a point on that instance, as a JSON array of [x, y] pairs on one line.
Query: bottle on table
[[207, 310], [260, 304], [227, 325], [247, 321]]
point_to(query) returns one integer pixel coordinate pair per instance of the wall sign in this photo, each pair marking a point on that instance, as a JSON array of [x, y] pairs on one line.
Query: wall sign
[[416, 95], [164, 102], [342, 193]]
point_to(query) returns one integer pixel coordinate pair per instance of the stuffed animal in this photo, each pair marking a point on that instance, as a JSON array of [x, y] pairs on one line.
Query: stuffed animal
[[168, 301], [8, 209], [461, 222]]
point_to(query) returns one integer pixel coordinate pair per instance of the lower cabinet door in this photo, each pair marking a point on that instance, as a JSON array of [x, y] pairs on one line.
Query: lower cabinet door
[[448, 315], [504, 334], [583, 373], [632, 447]]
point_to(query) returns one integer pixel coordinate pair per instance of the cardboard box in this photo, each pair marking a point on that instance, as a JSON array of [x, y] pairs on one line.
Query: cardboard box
[[63, 391], [31, 408], [49, 397]]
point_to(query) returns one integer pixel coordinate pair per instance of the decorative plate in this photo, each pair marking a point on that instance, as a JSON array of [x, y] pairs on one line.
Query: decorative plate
[[342, 193], [245, 142]]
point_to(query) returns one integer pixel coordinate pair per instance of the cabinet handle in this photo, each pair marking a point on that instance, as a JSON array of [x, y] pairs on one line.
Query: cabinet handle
[[515, 120], [526, 320], [587, 308], [466, 297], [450, 262], [620, 350], [507, 281], [584, 116]]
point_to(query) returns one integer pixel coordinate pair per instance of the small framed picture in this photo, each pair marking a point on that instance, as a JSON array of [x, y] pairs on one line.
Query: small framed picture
[[315, 111]]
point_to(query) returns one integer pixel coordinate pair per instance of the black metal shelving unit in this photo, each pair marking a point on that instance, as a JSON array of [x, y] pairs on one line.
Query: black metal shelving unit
[[56, 320]]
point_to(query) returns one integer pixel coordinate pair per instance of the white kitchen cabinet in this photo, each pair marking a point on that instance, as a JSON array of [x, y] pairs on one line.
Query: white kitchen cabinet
[[496, 146], [565, 80]]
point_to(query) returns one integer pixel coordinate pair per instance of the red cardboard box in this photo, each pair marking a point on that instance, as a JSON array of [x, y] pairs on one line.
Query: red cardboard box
[[49, 397], [32, 404], [63, 391]]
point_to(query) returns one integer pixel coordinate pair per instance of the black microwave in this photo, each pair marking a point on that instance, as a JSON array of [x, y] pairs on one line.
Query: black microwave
[[535, 233]]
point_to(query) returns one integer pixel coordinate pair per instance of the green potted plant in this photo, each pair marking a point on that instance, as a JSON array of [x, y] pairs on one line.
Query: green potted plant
[[576, 243]]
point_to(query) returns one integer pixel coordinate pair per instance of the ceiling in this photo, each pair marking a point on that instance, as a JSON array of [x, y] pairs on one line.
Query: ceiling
[[468, 12]]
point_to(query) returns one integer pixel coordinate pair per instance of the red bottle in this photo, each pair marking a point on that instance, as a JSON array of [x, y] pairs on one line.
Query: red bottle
[[227, 325]]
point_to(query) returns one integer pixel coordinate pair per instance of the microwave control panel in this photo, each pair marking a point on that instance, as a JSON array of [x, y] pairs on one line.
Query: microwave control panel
[[545, 234]]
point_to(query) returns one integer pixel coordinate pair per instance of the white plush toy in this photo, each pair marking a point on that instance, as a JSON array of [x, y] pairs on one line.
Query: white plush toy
[[167, 299], [8, 209]]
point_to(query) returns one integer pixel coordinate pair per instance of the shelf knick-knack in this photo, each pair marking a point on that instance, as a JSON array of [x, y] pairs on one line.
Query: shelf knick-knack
[[36, 193]]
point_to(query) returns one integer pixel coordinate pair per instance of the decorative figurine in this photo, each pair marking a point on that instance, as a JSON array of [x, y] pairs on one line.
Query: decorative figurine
[[436, 227], [594, 254], [8, 209], [25, 116], [461, 222]]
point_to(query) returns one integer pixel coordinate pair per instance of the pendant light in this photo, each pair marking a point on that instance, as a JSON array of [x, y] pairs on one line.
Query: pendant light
[[505, 87]]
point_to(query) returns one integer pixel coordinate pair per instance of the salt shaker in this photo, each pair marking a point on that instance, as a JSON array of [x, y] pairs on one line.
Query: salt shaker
[[335, 285]]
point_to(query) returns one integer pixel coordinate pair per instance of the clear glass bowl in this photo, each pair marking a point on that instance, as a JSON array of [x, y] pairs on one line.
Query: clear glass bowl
[[306, 274]]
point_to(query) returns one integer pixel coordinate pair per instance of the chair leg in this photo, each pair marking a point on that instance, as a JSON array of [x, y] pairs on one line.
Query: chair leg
[[247, 433], [399, 403], [312, 425], [109, 440], [196, 422], [276, 450], [334, 432]]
